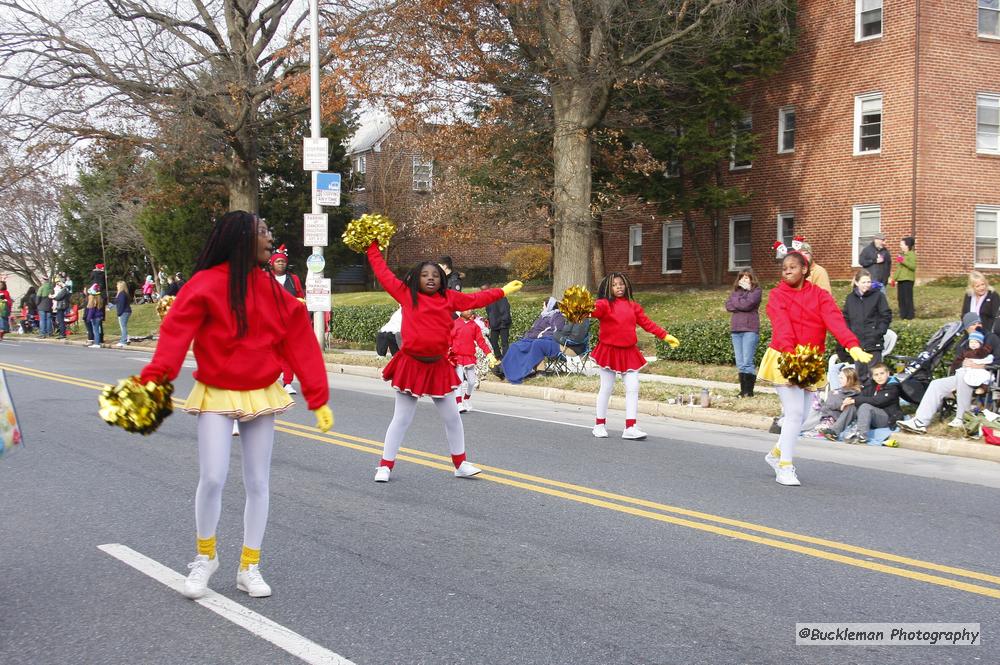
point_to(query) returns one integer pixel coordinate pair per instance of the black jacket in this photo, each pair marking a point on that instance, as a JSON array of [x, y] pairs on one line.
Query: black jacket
[[883, 397], [574, 335], [868, 316], [498, 314], [454, 281], [987, 311], [869, 261]]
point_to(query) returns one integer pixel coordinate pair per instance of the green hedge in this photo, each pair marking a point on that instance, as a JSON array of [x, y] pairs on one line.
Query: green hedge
[[709, 342]]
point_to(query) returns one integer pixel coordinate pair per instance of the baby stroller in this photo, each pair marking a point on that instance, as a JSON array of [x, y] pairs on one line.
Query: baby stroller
[[919, 369]]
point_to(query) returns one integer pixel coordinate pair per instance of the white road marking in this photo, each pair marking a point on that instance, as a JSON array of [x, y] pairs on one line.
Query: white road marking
[[283, 638], [541, 420]]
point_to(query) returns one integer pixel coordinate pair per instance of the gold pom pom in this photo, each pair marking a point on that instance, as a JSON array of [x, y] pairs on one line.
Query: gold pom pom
[[134, 406], [361, 232], [577, 303], [803, 367], [163, 305]]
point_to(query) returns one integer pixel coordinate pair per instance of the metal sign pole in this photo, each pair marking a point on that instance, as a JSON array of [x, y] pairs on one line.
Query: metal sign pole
[[315, 133]]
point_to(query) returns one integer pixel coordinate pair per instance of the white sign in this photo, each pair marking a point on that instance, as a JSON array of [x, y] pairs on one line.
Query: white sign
[[316, 230], [327, 190], [315, 154], [318, 295], [315, 263]]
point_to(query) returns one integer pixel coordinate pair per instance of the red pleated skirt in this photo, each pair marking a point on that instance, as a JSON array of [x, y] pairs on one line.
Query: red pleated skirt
[[421, 379], [618, 358]]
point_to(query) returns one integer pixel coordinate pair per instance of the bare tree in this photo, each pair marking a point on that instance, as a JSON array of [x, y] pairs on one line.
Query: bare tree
[[123, 68], [29, 216]]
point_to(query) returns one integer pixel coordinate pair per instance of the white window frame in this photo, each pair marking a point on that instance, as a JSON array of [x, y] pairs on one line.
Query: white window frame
[[979, 12], [634, 240], [419, 161], [856, 227], [361, 163], [747, 119], [995, 99], [666, 237], [859, 101], [782, 119], [995, 209], [782, 216], [857, 23], [732, 246]]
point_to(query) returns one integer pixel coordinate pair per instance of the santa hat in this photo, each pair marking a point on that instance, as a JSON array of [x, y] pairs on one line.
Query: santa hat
[[99, 266], [780, 251], [797, 242], [280, 253]]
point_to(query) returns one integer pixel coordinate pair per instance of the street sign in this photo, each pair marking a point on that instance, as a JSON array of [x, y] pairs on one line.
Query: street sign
[[315, 154], [316, 230], [327, 191], [315, 263], [318, 295]]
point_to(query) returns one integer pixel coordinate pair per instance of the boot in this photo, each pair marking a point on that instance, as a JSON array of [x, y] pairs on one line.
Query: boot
[[743, 384], [751, 382]]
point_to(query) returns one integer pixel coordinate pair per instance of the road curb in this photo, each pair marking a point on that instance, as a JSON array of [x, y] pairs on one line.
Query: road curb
[[922, 443]]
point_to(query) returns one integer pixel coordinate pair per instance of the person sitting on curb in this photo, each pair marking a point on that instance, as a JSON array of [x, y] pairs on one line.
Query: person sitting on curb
[[877, 405], [941, 388]]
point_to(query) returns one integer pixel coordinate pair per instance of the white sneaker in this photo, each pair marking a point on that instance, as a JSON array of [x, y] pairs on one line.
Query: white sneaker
[[913, 425], [772, 461], [119, 345], [382, 474], [95, 346], [290, 389], [236, 428], [196, 584], [957, 422], [463, 407], [467, 470], [250, 580], [600, 431], [785, 475], [633, 432]]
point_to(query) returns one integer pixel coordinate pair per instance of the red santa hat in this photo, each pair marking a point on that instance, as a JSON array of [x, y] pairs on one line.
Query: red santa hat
[[280, 253], [99, 266], [797, 242], [780, 251]]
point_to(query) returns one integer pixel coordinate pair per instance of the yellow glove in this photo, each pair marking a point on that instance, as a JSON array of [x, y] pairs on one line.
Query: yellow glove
[[512, 287], [859, 355], [492, 360], [672, 341], [324, 418]]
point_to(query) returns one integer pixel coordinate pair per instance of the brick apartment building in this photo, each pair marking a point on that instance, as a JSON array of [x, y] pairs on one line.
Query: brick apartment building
[[391, 177], [886, 118]]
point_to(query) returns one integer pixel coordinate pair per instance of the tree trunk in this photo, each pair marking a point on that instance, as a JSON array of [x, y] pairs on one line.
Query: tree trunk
[[597, 270], [689, 225], [571, 195], [244, 185]]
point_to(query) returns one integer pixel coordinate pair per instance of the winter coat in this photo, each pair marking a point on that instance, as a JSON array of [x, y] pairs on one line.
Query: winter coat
[[43, 300], [100, 278], [60, 299], [869, 261], [123, 304], [744, 306], [885, 397], [498, 314], [906, 270], [574, 335], [868, 316], [834, 403], [454, 281], [987, 311]]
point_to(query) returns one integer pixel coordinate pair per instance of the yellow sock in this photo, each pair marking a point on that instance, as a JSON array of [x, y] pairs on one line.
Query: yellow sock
[[783, 465], [775, 452], [249, 558], [206, 546]]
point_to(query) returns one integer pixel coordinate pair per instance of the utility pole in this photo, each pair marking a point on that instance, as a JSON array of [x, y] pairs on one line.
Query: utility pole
[[315, 135]]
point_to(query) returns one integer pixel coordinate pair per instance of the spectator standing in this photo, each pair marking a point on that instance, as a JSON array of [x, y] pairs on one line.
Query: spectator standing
[[389, 338], [123, 307], [43, 302], [498, 314], [94, 315], [172, 286], [981, 299], [6, 305], [867, 314], [876, 259], [744, 303], [906, 275], [454, 279], [60, 302], [29, 308], [817, 273], [99, 277]]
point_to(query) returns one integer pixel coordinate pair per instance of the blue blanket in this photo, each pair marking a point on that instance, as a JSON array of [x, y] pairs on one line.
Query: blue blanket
[[523, 356]]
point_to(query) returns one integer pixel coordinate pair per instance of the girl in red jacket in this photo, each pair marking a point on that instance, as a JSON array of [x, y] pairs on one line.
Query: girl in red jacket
[[422, 366], [617, 350], [290, 282], [466, 335], [243, 325], [800, 313]]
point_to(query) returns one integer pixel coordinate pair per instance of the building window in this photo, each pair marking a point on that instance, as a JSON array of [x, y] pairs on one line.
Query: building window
[[867, 19], [786, 129], [786, 228], [635, 245], [987, 223], [868, 124], [989, 18], [360, 163], [867, 222], [673, 247], [739, 155], [423, 174], [988, 123], [739, 243]]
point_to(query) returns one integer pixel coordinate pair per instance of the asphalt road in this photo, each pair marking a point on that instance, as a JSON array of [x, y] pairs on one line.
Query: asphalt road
[[567, 549]]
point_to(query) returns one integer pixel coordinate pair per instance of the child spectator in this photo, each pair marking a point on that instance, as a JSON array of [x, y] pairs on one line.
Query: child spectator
[[94, 315], [877, 405], [834, 418]]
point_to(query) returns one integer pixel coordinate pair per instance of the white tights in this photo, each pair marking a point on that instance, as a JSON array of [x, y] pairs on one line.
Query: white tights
[[467, 375], [795, 404], [631, 381], [402, 416], [215, 438]]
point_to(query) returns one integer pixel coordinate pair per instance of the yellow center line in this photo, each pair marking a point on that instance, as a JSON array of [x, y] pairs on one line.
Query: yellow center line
[[556, 488]]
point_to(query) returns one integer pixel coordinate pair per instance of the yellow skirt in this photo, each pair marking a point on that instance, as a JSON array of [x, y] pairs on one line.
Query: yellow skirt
[[769, 371], [242, 405]]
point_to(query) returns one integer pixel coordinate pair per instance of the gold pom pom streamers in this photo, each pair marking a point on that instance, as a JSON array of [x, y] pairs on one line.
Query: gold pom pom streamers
[[577, 303], [361, 232], [163, 306], [804, 366], [134, 406]]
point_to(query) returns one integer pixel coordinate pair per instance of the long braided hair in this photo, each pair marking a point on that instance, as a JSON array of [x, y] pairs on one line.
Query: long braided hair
[[412, 280], [604, 290]]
